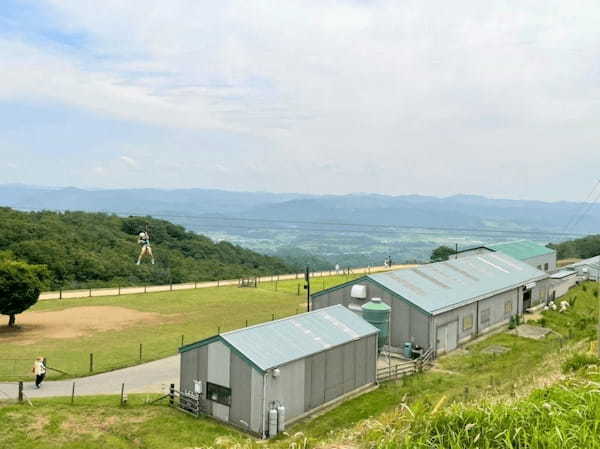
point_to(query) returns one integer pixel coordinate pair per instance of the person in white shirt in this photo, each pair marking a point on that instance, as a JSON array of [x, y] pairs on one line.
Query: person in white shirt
[[39, 369]]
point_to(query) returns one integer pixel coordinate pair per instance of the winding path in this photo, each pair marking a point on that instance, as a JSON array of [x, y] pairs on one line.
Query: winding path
[[151, 377]]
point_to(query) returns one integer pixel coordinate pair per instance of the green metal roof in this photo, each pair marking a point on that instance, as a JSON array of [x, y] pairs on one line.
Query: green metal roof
[[438, 287], [275, 343], [521, 249]]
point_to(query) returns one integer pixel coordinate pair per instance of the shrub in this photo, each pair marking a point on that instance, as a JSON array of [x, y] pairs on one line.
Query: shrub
[[578, 361]]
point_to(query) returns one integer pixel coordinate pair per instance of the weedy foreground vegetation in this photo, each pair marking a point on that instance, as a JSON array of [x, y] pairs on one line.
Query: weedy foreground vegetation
[[536, 394]]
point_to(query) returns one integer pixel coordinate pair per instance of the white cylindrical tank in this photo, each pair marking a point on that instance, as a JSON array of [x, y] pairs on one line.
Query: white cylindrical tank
[[280, 418], [359, 291], [272, 422]]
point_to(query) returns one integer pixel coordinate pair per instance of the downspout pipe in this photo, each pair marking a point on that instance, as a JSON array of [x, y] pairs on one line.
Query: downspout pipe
[[264, 405]]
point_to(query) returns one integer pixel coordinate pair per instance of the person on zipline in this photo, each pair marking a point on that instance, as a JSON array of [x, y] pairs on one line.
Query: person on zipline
[[144, 241]]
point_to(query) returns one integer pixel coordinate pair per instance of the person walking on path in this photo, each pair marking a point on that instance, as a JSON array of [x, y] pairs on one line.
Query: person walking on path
[[39, 369]]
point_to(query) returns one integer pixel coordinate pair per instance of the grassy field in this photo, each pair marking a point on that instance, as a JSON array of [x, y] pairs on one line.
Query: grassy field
[[100, 423], [563, 262], [108, 425], [443, 402], [470, 386], [193, 314]]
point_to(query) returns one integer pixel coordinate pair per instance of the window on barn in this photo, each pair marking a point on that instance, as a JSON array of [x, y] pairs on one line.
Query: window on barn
[[218, 393], [508, 307], [539, 267], [546, 266], [485, 316], [467, 322]]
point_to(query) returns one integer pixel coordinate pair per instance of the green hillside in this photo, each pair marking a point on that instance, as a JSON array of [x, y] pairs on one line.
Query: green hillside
[[84, 249], [582, 248]]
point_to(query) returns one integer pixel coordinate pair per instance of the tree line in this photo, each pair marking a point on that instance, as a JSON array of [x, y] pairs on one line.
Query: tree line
[[81, 250], [582, 248]]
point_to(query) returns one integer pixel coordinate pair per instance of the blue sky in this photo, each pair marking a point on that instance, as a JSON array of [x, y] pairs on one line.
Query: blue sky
[[500, 99]]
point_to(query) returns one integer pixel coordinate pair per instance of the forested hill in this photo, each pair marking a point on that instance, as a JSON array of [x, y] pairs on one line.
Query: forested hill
[[84, 249], [583, 248]]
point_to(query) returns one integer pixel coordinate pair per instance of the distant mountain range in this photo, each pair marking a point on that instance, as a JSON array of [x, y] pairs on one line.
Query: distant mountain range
[[354, 229], [459, 211]]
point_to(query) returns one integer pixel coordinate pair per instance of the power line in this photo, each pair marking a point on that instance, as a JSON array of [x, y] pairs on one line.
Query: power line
[[583, 207], [359, 225], [588, 209]]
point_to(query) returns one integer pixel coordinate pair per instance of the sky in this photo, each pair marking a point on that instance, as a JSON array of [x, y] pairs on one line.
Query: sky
[[497, 98]]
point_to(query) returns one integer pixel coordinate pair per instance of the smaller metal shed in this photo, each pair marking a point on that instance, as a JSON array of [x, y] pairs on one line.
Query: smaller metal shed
[[532, 253], [587, 269], [561, 282], [301, 363]]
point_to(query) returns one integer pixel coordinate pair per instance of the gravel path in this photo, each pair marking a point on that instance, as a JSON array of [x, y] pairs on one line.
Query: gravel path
[[152, 377]]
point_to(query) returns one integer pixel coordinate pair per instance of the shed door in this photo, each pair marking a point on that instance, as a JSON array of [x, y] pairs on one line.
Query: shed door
[[452, 335], [447, 337], [441, 339]]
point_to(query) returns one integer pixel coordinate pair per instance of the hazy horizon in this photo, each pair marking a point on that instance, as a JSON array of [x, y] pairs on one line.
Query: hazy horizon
[[357, 193]]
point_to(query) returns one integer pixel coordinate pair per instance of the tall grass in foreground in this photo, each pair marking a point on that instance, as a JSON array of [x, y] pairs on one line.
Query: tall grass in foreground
[[564, 416]]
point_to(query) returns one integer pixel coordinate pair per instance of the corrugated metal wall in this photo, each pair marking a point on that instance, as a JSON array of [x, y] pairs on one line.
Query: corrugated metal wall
[[288, 388], [240, 383], [338, 371], [540, 261], [497, 315], [407, 322], [560, 287], [301, 386], [256, 401]]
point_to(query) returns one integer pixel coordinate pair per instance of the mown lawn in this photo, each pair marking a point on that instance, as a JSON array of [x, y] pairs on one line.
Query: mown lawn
[[101, 423], [98, 422], [193, 314]]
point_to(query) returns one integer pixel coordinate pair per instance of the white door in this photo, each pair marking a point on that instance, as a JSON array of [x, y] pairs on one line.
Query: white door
[[452, 335], [447, 337], [441, 346]]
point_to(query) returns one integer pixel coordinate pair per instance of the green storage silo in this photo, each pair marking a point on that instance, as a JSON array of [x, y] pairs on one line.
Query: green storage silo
[[377, 313]]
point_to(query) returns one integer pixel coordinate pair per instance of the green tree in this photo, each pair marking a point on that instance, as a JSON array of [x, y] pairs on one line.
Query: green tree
[[441, 253], [20, 287]]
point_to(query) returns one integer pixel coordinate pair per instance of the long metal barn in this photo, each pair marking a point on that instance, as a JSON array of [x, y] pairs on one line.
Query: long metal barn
[[441, 305], [264, 377]]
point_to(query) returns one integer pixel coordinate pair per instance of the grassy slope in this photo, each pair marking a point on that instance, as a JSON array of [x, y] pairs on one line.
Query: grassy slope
[[528, 365], [195, 314]]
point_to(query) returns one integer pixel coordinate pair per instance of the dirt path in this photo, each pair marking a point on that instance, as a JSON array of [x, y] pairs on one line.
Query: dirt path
[[190, 285], [152, 377], [74, 322]]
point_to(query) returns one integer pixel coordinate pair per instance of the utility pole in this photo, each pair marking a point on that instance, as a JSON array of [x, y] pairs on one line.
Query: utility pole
[[307, 287]]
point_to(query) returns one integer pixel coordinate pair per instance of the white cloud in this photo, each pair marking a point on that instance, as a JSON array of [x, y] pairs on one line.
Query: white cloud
[[393, 96], [130, 162]]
